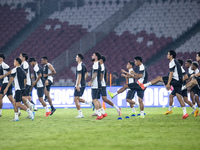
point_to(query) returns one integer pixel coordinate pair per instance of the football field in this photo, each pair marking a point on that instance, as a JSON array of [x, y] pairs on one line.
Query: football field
[[63, 131]]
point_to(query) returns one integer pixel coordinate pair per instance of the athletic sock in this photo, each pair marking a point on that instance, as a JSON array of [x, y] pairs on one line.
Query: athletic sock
[[142, 113], [0, 111], [184, 110], [117, 108], [80, 112], [114, 94], [88, 102], [99, 112], [32, 102], [136, 103], [29, 103], [29, 111], [194, 107], [46, 108], [46, 97], [18, 110], [183, 88], [147, 84], [170, 108], [133, 109], [103, 111], [16, 116]]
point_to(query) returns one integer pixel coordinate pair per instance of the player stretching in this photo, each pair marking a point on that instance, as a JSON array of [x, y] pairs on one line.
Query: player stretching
[[4, 69], [26, 97], [19, 77], [48, 71], [184, 92], [104, 77], [131, 93], [142, 76], [39, 83], [95, 84], [81, 76], [175, 79]]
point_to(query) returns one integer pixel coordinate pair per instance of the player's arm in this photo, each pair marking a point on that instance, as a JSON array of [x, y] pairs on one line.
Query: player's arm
[[86, 76], [38, 78], [195, 75], [93, 77], [169, 80], [107, 78], [53, 71], [79, 81], [7, 74], [185, 77]]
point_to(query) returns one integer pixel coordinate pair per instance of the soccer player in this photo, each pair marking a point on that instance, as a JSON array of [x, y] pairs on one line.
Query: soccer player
[[131, 93], [26, 94], [142, 76], [175, 79], [19, 77], [95, 84], [39, 83], [184, 92], [4, 69], [81, 76], [48, 71], [104, 77]]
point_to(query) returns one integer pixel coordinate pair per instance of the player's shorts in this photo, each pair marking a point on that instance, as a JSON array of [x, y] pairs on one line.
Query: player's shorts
[[18, 95], [79, 93], [4, 85], [40, 91], [136, 87], [96, 93], [185, 93], [49, 85], [130, 95], [27, 92], [195, 90], [177, 85], [198, 81], [103, 91]]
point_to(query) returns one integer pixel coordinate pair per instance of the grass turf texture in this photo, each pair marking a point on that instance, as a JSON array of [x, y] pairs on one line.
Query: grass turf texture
[[63, 131]]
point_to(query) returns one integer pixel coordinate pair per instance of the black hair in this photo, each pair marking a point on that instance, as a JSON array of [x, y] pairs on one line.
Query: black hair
[[115, 73], [138, 58], [25, 55], [32, 59], [80, 56], [98, 55], [2, 56], [132, 63], [173, 53], [45, 57], [19, 60], [198, 54], [189, 61], [180, 61], [103, 58], [195, 63]]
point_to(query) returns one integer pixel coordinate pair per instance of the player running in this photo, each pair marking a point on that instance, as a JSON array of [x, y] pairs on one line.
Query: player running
[[142, 76], [95, 84], [19, 77], [175, 79], [39, 83], [48, 71]]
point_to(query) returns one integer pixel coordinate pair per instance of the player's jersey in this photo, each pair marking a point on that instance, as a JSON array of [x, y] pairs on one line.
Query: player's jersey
[[96, 84], [46, 70], [26, 68], [4, 68], [38, 70], [81, 69], [104, 72], [175, 67], [195, 72], [131, 80], [190, 72], [19, 75], [143, 71]]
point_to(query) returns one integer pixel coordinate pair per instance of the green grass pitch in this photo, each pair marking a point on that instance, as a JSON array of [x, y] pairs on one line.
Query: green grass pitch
[[62, 131]]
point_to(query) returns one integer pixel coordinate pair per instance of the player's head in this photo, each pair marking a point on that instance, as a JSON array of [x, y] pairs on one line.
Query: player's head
[[17, 62], [130, 65], [103, 59], [180, 61], [96, 56], [79, 57], [171, 54], [195, 65], [138, 60], [188, 63], [44, 60], [2, 57], [23, 56], [198, 57], [32, 61]]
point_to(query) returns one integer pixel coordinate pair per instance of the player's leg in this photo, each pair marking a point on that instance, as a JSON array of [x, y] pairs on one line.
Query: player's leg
[[179, 97], [171, 100], [130, 95], [112, 95], [140, 94], [1, 104], [192, 97], [190, 84], [152, 82]]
